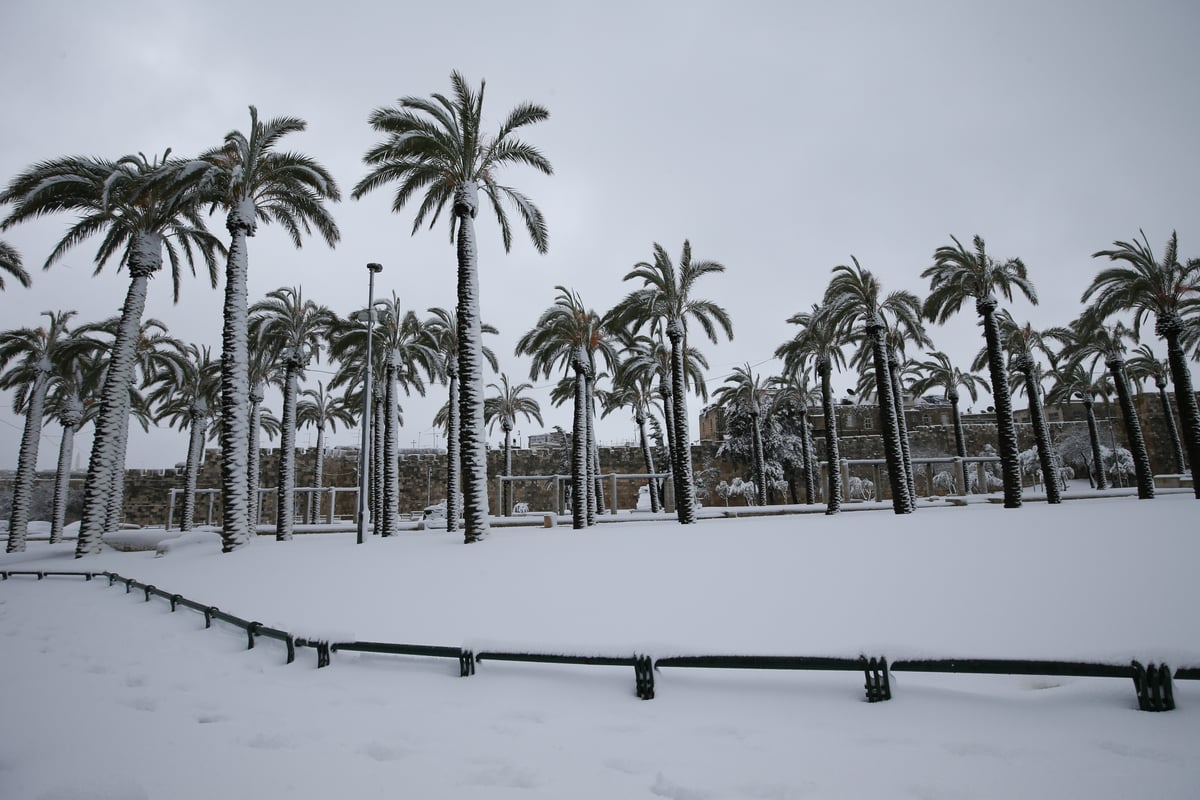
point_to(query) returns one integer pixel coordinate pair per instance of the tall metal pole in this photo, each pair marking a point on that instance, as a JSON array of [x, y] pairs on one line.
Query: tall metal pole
[[364, 452]]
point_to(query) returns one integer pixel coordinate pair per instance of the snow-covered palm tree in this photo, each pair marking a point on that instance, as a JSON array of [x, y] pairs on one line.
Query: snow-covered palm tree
[[855, 302], [444, 328], [571, 336], [27, 367], [1087, 341], [1145, 365], [409, 349], [293, 328], [819, 342], [1023, 342], [72, 401], [959, 275], [153, 349], [185, 395], [436, 146], [665, 302], [791, 394], [253, 182], [10, 264], [746, 390], [503, 407], [1071, 380], [938, 372], [262, 370], [1168, 289], [142, 208], [318, 408]]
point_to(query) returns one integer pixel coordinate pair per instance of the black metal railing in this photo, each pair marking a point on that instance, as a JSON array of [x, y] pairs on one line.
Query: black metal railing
[[1152, 682]]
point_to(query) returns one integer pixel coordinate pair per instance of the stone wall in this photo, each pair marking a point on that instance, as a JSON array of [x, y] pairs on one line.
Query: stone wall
[[423, 473]]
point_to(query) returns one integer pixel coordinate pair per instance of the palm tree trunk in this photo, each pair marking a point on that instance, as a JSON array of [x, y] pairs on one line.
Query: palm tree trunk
[[1006, 429], [960, 438], [897, 478], [106, 446], [18, 525], [470, 368], [379, 411], [1172, 429], [195, 447], [1094, 436], [1185, 398], [318, 476], [286, 494], [236, 492], [833, 456], [62, 478], [592, 495], [902, 426], [391, 468], [506, 492], [1133, 429], [648, 457], [685, 499], [668, 401], [453, 434], [1041, 433], [810, 484], [579, 454], [760, 461], [253, 461]]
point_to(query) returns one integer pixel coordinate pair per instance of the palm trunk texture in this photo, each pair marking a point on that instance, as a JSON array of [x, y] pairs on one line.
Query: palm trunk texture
[[106, 447], [1006, 429], [833, 456], [18, 525], [236, 494], [1133, 430], [470, 369]]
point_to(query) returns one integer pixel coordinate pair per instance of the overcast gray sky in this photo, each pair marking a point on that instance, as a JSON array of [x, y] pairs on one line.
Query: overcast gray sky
[[779, 137]]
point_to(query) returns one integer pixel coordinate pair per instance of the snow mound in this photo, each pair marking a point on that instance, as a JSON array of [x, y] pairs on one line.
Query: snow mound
[[206, 539], [133, 541]]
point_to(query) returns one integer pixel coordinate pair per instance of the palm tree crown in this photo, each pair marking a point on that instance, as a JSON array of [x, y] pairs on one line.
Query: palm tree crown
[[10, 263], [436, 146]]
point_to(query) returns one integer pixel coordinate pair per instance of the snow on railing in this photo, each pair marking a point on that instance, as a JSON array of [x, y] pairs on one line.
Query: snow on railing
[[1152, 682]]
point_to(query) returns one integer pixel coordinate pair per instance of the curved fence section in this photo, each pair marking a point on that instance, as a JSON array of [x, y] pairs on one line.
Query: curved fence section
[[1152, 681]]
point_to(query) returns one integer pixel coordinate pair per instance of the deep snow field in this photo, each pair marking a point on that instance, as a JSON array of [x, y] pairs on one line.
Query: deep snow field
[[104, 695]]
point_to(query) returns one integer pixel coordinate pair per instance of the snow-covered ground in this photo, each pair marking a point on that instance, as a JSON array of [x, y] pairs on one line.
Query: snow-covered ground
[[107, 696]]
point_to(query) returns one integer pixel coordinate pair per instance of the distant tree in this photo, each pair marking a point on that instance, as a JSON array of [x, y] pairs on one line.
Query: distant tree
[[959, 275], [666, 302], [819, 342], [1145, 365], [27, 358], [444, 327], [855, 302], [1023, 342], [939, 373], [503, 407], [321, 410], [185, 394], [571, 336], [745, 390], [1087, 341], [293, 328], [1071, 380], [1170, 290]]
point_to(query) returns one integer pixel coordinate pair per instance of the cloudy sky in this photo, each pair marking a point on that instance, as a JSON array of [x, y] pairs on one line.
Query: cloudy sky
[[779, 137]]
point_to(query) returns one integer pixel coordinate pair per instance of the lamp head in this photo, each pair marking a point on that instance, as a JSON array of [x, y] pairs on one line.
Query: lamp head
[[375, 267]]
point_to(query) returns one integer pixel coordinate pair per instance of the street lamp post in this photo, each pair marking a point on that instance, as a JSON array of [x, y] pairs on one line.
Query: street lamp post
[[364, 451]]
